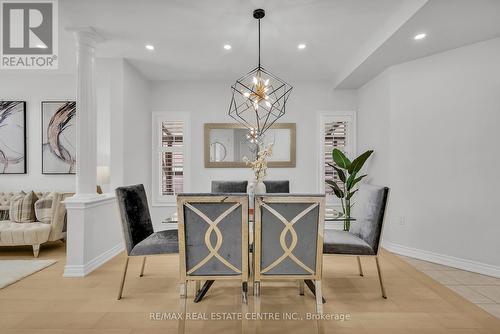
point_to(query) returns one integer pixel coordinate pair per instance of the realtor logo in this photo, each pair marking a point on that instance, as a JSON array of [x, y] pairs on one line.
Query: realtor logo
[[29, 34]]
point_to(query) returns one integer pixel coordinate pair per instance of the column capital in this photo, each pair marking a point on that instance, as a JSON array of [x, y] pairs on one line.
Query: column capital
[[86, 35]]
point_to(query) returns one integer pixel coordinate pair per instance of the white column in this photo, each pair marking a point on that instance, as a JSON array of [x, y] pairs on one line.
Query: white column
[[93, 233], [86, 115]]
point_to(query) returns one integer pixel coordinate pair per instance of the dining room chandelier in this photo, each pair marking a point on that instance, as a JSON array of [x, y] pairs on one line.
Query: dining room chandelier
[[259, 97]]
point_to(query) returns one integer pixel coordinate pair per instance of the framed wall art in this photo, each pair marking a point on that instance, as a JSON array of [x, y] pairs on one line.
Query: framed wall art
[[12, 137], [59, 137]]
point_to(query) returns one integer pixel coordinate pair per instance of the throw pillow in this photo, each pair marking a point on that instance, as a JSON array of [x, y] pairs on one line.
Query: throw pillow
[[22, 207], [44, 208]]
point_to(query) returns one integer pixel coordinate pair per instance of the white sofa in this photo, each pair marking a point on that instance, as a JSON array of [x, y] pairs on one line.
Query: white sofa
[[32, 234]]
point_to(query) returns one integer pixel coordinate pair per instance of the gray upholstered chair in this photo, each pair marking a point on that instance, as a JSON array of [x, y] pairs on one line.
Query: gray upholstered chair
[[213, 239], [140, 238], [364, 237], [289, 240], [274, 187], [229, 187]]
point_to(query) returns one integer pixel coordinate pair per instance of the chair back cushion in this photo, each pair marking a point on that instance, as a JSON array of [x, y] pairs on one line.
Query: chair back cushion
[[229, 187], [282, 187], [369, 213], [134, 212], [288, 230], [22, 207], [212, 232]]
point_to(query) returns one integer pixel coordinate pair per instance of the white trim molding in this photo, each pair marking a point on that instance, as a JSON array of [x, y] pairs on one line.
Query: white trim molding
[[94, 233], [159, 116], [450, 261], [321, 118], [85, 269]]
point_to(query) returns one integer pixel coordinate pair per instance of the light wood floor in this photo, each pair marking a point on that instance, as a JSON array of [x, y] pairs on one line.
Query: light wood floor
[[48, 303]]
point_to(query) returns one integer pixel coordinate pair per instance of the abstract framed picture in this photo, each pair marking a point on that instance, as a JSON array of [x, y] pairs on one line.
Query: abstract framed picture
[[58, 137], [12, 137]]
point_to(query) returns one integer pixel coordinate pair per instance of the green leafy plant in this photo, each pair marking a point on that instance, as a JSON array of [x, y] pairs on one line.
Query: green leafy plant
[[348, 175]]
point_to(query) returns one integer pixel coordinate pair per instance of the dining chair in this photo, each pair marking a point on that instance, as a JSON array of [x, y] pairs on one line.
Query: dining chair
[[289, 240], [213, 240], [273, 187], [140, 238], [363, 239], [236, 187]]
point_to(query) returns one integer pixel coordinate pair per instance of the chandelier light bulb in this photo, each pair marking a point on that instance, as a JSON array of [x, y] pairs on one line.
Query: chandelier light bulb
[[256, 100]]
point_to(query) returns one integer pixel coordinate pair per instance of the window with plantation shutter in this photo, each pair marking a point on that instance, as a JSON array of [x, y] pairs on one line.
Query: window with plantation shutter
[[170, 143], [335, 137], [336, 131], [172, 157]]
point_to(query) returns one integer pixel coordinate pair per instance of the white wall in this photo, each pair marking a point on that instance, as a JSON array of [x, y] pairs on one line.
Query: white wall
[[208, 102], [373, 126], [35, 87], [438, 129], [136, 128], [123, 126]]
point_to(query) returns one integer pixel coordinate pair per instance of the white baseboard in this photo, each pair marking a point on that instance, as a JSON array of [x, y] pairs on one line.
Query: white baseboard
[[87, 268], [450, 261]]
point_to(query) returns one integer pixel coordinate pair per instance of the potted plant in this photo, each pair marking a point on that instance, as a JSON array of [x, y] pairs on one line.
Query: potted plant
[[347, 171]]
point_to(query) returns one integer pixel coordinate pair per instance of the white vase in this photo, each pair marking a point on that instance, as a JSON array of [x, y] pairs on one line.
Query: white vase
[[253, 188], [260, 188]]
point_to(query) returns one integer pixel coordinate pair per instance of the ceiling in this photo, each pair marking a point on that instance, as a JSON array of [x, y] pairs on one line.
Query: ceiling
[[449, 24], [348, 41], [189, 35]]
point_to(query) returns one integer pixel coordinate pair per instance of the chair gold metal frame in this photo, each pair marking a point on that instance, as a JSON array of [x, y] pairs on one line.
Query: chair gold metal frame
[[314, 274], [187, 201]]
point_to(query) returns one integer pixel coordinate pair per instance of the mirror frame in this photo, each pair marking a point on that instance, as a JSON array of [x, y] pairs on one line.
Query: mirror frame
[[233, 164]]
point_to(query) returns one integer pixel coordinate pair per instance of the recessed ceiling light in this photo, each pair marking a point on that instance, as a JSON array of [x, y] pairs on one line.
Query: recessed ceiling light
[[301, 46], [419, 36], [149, 47], [227, 47]]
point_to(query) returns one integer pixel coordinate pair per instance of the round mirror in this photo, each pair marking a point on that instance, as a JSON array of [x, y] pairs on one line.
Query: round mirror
[[217, 151]]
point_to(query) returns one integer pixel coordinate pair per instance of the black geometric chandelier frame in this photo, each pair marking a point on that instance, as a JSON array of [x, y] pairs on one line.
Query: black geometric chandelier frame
[[259, 97]]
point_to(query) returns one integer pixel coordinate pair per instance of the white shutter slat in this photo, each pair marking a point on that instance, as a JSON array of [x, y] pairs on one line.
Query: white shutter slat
[[172, 157], [336, 134]]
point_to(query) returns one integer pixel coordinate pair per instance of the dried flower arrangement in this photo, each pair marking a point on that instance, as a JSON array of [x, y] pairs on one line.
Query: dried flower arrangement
[[259, 165]]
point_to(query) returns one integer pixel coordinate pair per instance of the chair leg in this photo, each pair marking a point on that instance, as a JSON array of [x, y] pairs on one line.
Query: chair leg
[[142, 267], [319, 297], [183, 289], [380, 278], [359, 266], [36, 250], [122, 283], [256, 289], [244, 292], [301, 287], [181, 321]]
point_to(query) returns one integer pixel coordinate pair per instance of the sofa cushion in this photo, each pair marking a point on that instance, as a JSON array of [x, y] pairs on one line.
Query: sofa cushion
[[45, 207], [22, 207], [342, 242], [12, 233]]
